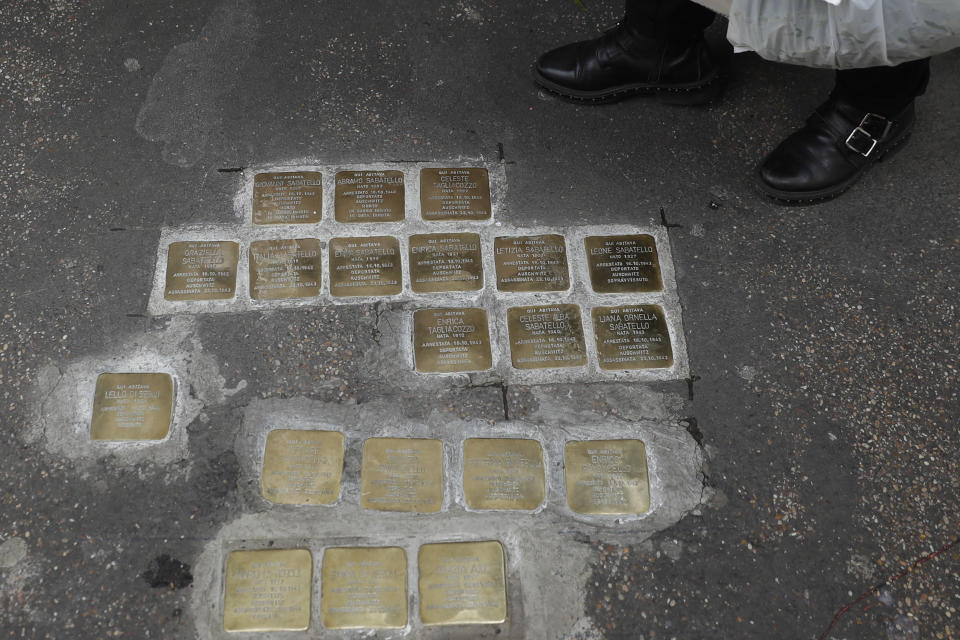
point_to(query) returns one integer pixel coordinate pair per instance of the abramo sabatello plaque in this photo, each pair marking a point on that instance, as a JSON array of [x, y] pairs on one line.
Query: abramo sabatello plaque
[[402, 474], [291, 197], [531, 263], [365, 266], [451, 340], [445, 262], [202, 270], [364, 587], [268, 590], [462, 583], [455, 194], [503, 473], [632, 337], [284, 269], [132, 406], [369, 196], [546, 336], [302, 466], [623, 264], [607, 477]]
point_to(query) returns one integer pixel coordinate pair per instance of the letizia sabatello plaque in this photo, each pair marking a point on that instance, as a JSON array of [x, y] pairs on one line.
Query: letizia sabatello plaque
[[462, 583], [455, 193], [451, 340], [531, 263], [369, 196], [365, 266], [132, 406], [503, 473], [287, 197], [546, 336], [302, 466], [623, 264], [445, 262], [364, 587], [268, 590], [632, 337], [607, 477], [284, 269], [402, 474], [201, 270]]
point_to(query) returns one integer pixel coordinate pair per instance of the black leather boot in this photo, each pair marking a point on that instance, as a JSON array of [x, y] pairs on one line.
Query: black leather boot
[[622, 63], [831, 152]]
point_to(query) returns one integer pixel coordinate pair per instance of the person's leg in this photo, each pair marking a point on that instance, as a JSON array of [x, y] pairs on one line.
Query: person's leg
[[883, 90], [667, 19]]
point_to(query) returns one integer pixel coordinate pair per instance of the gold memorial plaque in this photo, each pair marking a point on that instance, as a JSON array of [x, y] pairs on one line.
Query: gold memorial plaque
[[284, 269], [531, 263], [365, 266], [546, 336], [607, 477], [202, 270], [369, 196], [455, 194], [623, 264], [302, 466], [462, 583], [364, 587], [445, 262], [402, 474], [268, 590], [132, 406], [290, 197], [632, 337], [451, 340], [503, 473]]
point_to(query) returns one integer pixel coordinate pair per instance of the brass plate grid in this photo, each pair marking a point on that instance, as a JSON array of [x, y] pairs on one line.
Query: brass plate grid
[[364, 587], [132, 406], [451, 340], [402, 474], [365, 266], [632, 337], [302, 466], [503, 473], [201, 270], [455, 194], [607, 477], [546, 336], [531, 263], [462, 583], [268, 590], [369, 196], [623, 264], [285, 269], [445, 262], [288, 197]]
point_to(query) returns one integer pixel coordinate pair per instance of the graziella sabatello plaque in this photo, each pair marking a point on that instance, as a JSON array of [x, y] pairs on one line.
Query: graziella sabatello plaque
[[202, 270]]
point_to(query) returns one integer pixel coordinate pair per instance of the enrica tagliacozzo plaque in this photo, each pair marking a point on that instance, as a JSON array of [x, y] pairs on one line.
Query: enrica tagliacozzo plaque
[[607, 477], [365, 266], [289, 197], [451, 340], [455, 193], [132, 406], [369, 196], [462, 583], [445, 262], [503, 473], [402, 474], [364, 587], [302, 466], [547, 336], [623, 264], [268, 590], [531, 263], [632, 337], [201, 270], [284, 269]]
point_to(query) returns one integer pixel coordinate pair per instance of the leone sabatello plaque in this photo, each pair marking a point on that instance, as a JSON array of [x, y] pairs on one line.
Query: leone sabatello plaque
[[268, 590], [531, 263], [369, 196], [632, 337], [623, 264], [455, 193], [607, 477], [288, 197], [451, 340], [282, 269], [132, 406], [365, 266], [445, 262], [201, 270], [546, 336]]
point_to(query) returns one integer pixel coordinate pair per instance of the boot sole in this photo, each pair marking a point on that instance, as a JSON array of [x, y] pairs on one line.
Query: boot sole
[[681, 94]]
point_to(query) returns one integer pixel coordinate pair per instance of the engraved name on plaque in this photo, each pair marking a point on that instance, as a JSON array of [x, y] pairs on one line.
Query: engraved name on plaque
[[292, 197], [547, 336], [369, 196], [268, 590], [132, 406], [445, 262], [455, 194], [632, 337], [201, 270], [364, 587], [503, 473], [607, 477], [402, 474], [451, 340], [365, 266], [284, 269], [302, 466], [531, 263], [623, 264], [462, 583]]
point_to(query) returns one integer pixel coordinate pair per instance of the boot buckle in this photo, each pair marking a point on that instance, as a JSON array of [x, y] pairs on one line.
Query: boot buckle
[[871, 130]]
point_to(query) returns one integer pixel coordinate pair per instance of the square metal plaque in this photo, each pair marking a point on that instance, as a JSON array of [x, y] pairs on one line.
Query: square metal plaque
[[201, 270], [402, 474], [288, 197], [302, 466], [503, 473], [547, 336], [462, 583], [369, 196], [451, 340], [284, 269], [623, 264], [455, 194], [132, 406], [364, 587], [632, 337], [268, 590], [607, 477], [445, 262], [365, 266], [531, 263]]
